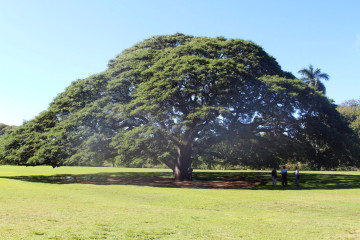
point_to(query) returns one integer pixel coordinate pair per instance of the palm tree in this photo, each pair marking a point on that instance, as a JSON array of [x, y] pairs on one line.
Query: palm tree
[[312, 77]]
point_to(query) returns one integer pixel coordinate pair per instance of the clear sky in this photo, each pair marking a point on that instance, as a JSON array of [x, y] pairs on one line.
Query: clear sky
[[47, 44]]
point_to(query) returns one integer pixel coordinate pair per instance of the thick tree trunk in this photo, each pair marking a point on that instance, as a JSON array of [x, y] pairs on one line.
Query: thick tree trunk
[[183, 162]]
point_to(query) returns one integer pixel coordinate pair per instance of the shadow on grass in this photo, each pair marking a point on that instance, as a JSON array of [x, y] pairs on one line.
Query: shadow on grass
[[222, 180]]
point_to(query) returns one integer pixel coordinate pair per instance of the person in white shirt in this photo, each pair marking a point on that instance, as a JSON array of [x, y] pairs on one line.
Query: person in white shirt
[[297, 175], [274, 176]]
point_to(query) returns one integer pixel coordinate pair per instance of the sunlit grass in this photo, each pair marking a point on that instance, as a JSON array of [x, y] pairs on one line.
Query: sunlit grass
[[326, 206]]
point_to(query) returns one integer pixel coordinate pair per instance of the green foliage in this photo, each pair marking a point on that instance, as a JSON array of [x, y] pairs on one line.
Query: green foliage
[[351, 111], [178, 100], [4, 127], [20, 145]]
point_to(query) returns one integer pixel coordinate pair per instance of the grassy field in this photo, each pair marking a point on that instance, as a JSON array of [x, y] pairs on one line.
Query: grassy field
[[44, 203]]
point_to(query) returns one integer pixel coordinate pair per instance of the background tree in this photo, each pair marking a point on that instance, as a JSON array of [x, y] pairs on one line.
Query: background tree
[[351, 111], [313, 78]]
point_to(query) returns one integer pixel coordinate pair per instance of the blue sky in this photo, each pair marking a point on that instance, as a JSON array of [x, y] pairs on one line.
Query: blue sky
[[45, 45]]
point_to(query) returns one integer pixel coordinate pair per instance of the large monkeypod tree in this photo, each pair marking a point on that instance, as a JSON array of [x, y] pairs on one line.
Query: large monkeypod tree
[[201, 93], [178, 98], [191, 95]]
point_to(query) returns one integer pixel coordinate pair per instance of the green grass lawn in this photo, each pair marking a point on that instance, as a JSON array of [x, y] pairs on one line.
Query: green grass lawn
[[34, 204]]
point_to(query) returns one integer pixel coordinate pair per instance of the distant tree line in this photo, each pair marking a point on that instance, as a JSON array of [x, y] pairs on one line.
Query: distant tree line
[[180, 100]]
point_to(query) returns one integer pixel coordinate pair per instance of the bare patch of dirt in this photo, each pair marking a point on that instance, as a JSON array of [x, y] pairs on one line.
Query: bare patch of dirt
[[210, 182]]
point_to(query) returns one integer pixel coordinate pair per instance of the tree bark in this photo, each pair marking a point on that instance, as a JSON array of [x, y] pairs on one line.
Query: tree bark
[[183, 162]]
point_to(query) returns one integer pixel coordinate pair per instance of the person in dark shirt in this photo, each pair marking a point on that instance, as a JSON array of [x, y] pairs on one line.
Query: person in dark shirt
[[284, 181], [190, 171]]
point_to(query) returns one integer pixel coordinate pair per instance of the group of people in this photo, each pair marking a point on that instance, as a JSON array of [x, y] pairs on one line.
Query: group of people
[[284, 179]]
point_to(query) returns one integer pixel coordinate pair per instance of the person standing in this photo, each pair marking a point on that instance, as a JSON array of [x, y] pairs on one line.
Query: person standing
[[274, 176], [284, 177], [190, 172], [297, 175]]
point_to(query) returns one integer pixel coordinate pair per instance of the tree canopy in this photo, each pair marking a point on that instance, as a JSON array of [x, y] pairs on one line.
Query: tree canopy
[[4, 127], [181, 100]]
